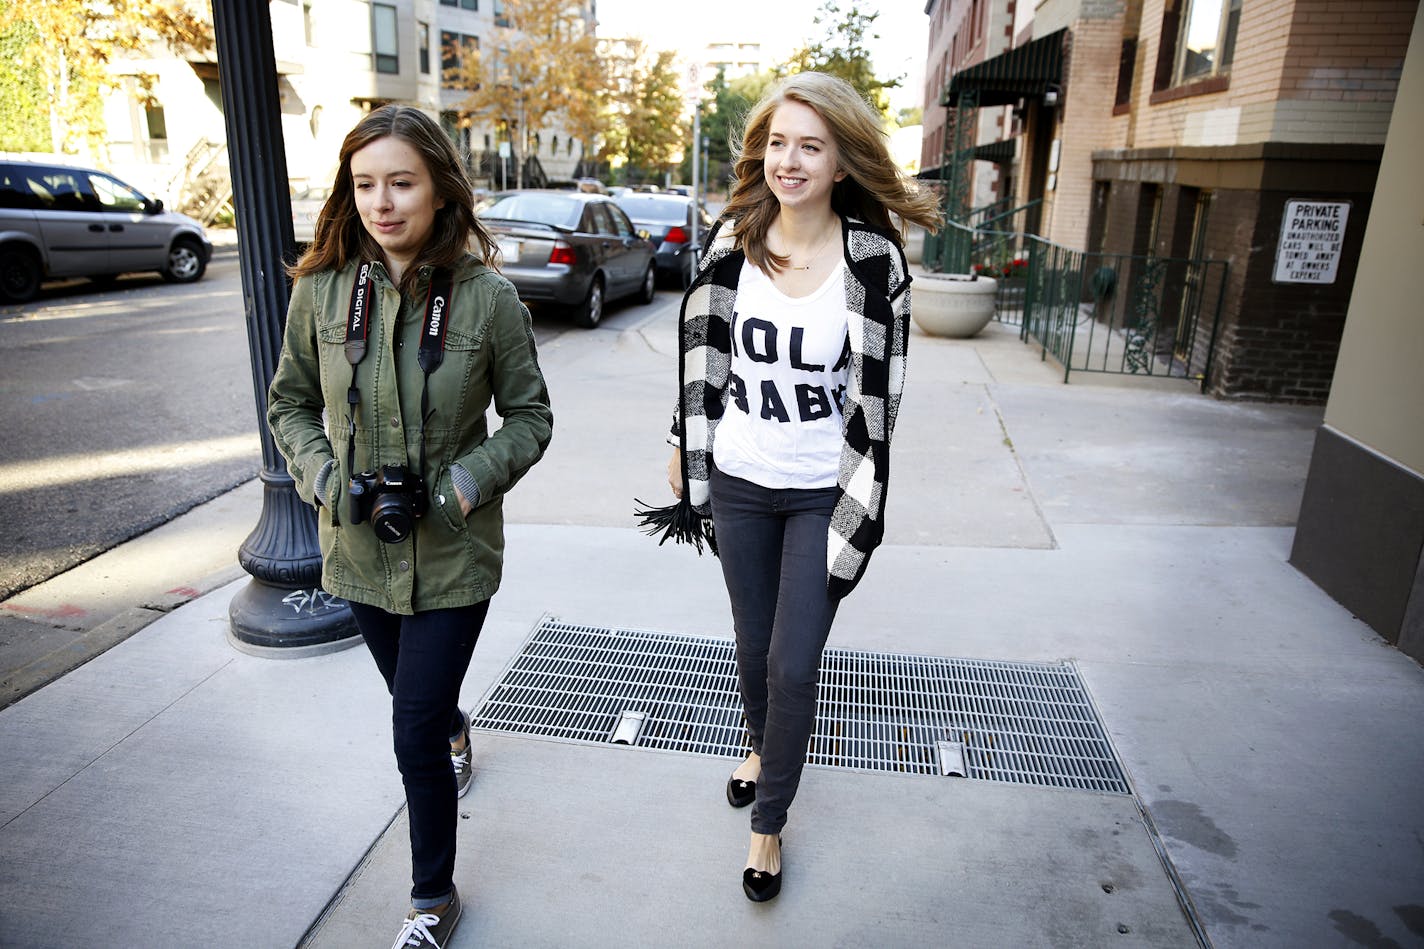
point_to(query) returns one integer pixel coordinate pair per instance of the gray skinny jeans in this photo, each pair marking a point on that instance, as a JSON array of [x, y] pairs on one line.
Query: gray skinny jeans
[[772, 544]]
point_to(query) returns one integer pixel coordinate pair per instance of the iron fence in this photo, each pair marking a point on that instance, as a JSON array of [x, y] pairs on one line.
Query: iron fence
[[1128, 314], [1096, 312]]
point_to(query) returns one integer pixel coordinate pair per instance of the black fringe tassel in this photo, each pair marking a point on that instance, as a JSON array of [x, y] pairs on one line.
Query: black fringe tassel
[[677, 522]]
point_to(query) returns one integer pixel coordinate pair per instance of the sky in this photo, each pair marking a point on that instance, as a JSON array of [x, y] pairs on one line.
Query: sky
[[780, 26]]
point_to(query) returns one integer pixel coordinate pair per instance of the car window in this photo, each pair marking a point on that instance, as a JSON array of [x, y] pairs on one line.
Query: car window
[[647, 208], [116, 196], [621, 224], [60, 189], [596, 219], [16, 192], [552, 209]]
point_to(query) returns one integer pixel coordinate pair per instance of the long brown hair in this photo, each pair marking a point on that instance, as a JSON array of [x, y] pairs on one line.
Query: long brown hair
[[873, 188], [340, 236]]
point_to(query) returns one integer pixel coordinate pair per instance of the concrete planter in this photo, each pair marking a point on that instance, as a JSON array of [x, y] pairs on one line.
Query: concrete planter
[[915, 244], [953, 305]]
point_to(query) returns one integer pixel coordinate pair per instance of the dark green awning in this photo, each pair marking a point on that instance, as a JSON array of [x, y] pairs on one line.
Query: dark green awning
[[1024, 71], [1002, 152]]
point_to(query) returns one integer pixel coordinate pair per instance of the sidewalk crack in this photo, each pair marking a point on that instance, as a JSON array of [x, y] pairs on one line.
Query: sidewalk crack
[[1018, 463], [119, 741]]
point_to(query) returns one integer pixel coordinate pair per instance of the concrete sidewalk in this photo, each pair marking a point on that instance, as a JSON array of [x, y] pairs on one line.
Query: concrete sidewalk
[[177, 792]]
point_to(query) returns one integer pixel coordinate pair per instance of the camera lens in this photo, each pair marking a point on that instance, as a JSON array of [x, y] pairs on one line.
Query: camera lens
[[392, 517]]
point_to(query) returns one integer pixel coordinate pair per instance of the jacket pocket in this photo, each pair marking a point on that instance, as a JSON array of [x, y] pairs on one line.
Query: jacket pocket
[[331, 329], [459, 387], [444, 499]]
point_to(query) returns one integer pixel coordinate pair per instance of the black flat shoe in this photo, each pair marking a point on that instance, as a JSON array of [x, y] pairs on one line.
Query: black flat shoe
[[759, 885], [740, 793]]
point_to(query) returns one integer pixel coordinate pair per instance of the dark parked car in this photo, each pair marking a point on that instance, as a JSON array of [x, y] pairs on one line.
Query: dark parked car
[[668, 220], [572, 249], [57, 221]]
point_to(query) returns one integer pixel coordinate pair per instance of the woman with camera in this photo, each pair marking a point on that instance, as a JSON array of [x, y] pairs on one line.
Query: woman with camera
[[398, 340]]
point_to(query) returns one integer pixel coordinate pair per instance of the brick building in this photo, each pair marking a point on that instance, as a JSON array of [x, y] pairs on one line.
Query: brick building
[[1200, 128], [962, 34]]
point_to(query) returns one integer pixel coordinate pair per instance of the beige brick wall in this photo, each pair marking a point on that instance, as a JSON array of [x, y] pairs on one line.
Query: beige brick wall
[[1347, 51], [1087, 125], [1303, 71]]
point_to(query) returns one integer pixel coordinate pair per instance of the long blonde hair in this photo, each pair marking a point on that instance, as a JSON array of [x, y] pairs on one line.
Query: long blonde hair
[[340, 236], [873, 188]]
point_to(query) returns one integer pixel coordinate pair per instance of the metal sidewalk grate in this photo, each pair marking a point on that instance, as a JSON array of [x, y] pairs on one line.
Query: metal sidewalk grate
[[1019, 722]]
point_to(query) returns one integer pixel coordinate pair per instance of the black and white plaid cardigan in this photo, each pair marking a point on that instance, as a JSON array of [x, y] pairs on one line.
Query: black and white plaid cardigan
[[877, 286]]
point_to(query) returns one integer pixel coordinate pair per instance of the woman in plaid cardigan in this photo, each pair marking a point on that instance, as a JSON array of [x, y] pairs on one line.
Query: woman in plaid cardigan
[[793, 361]]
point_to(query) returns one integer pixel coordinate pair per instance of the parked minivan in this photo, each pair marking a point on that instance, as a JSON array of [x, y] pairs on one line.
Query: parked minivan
[[57, 221]]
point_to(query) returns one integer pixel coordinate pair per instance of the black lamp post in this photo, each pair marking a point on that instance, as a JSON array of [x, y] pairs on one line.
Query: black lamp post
[[282, 612]]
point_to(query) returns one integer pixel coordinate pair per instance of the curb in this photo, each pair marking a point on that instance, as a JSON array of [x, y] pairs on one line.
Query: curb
[[92, 643]]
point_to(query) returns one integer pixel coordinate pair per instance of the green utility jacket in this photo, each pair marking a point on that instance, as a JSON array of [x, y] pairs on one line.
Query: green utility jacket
[[448, 560]]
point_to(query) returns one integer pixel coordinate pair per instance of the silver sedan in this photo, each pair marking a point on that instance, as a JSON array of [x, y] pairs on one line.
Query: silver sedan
[[570, 249]]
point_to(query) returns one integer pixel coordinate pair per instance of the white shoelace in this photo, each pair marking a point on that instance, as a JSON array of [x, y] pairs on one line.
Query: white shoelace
[[416, 931]]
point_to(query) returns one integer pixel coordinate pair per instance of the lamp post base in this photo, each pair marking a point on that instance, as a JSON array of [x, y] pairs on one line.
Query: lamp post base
[[282, 623]]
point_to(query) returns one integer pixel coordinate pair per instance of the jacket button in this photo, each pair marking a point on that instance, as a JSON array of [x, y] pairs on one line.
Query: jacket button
[[405, 564], [440, 499], [395, 422]]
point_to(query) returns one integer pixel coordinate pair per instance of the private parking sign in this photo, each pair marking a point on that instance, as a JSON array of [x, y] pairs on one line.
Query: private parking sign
[[1312, 238]]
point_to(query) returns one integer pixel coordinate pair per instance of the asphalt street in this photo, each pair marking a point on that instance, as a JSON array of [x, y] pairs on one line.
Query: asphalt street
[[127, 405]]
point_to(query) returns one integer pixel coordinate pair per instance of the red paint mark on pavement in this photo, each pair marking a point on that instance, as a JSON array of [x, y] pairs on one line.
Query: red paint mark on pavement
[[66, 611], [185, 591]]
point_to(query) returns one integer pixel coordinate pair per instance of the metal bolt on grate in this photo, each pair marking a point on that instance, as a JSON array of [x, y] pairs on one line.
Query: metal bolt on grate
[[1018, 722]]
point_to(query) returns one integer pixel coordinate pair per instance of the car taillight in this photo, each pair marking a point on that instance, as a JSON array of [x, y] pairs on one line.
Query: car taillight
[[563, 253], [676, 236]]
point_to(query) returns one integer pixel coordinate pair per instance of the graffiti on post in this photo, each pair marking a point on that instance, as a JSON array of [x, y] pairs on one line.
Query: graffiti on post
[[312, 601]]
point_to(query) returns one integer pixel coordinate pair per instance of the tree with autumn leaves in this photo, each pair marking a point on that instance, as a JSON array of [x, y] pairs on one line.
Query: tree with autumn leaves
[[543, 66], [644, 126], [540, 65], [54, 63]]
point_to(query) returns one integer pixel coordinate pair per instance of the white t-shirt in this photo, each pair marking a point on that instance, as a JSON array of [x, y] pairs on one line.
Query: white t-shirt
[[790, 368]]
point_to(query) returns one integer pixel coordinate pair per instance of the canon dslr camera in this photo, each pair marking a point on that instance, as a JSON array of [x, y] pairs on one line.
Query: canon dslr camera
[[391, 498]]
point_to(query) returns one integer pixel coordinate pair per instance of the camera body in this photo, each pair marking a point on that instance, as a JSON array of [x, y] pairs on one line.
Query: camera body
[[391, 498]]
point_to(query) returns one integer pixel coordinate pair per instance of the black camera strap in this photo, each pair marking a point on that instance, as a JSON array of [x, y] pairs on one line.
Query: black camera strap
[[432, 345], [432, 342]]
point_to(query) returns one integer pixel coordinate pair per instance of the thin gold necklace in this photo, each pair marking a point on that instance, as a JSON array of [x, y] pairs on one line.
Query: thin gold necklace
[[827, 240]]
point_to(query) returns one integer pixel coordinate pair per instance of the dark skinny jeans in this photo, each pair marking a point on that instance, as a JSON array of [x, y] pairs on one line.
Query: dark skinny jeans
[[772, 544], [423, 659]]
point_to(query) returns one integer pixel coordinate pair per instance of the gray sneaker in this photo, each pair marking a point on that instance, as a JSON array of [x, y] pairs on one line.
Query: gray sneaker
[[424, 929], [464, 769]]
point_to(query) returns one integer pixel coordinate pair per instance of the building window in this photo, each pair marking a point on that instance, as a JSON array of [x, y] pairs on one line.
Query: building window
[[1208, 38], [1127, 64], [422, 32], [501, 17], [463, 4], [1198, 41], [455, 55], [384, 40]]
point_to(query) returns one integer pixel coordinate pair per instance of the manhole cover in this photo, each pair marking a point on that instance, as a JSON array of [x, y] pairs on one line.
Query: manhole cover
[[1020, 722]]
